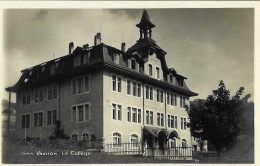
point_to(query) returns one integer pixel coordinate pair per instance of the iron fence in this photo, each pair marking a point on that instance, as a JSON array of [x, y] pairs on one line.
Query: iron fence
[[172, 153], [123, 148]]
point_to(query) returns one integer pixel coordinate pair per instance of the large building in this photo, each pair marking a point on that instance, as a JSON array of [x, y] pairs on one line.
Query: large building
[[105, 93]]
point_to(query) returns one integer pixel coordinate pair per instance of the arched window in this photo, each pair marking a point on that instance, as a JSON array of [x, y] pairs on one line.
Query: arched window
[[184, 143], [116, 138], [74, 137], [85, 136], [173, 143], [134, 138]]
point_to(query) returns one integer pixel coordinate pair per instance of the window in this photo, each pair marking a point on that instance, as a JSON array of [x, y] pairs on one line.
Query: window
[[139, 90], [160, 119], [171, 78], [77, 61], [80, 85], [52, 92], [150, 70], [80, 113], [116, 58], [38, 95], [74, 137], [161, 97], [129, 114], [134, 139], [135, 114], [184, 143], [128, 87], [158, 95], [85, 136], [184, 123], [38, 119], [119, 84], [117, 112], [26, 97], [151, 93], [181, 82], [139, 116], [86, 58], [51, 117], [176, 122], [134, 88], [133, 64], [26, 121], [149, 117], [53, 68], [157, 73], [116, 138], [181, 122], [116, 83], [171, 121], [181, 101]]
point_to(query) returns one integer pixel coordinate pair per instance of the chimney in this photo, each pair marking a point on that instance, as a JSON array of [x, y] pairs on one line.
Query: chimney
[[123, 47], [71, 47], [85, 46], [97, 39]]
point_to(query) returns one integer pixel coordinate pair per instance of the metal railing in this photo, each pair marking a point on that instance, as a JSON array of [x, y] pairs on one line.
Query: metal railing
[[172, 153], [123, 148]]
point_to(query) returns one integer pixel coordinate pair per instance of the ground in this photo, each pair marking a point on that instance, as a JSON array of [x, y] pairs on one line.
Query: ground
[[20, 152]]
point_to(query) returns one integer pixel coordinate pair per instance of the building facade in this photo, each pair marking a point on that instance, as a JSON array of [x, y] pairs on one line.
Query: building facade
[[101, 92]]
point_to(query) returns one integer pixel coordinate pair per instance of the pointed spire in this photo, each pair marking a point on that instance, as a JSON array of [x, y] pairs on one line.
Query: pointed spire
[[145, 21]]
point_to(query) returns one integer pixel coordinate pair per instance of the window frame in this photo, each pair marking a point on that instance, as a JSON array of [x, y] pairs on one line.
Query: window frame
[[85, 85], [37, 121], [116, 137], [24, 124], [86, 113]]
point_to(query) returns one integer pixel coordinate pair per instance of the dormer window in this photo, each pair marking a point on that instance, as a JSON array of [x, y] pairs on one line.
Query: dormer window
[[171, 78], [181, 82], [133, 64], [150, 70], [157, 73], [86, 58], [53, 68], [77, 61], [116, 58]]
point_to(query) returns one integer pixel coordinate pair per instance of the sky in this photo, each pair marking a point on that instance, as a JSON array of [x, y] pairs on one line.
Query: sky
[[204, 45]]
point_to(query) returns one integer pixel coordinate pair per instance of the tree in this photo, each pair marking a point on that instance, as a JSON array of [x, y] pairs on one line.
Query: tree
[[217, 118]]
